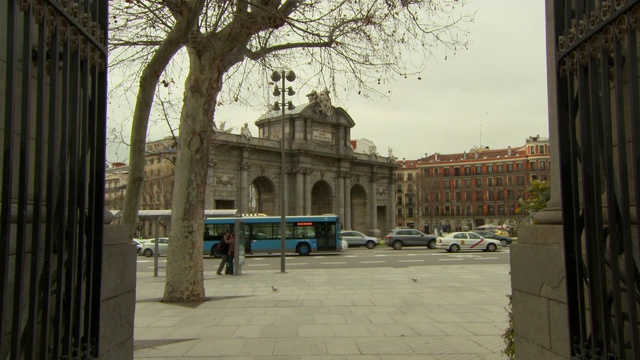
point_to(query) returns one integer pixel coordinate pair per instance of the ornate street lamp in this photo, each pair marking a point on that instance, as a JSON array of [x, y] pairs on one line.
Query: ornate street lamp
[[277, 76]]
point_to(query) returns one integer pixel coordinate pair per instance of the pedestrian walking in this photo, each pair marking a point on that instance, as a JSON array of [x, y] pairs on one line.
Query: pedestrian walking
[[231, 241], [223, 248]]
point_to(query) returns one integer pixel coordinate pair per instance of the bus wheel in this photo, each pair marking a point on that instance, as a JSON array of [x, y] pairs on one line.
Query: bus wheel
[[304, 249], [215, 252]]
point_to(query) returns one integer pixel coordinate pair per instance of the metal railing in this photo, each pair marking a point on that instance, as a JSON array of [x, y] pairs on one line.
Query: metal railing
[[52, 165], [599, 127]]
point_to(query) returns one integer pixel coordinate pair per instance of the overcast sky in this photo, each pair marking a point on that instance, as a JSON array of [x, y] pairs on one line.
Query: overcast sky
[[493, 94]]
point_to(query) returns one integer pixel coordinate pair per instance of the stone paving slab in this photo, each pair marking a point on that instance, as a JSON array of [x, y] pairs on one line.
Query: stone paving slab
[[450, 312]]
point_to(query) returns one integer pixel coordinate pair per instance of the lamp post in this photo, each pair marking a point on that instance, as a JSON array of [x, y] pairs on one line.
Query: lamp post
[[278, 76]]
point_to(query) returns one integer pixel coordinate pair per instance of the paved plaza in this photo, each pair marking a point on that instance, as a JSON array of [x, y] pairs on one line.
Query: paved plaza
[[450, 312]]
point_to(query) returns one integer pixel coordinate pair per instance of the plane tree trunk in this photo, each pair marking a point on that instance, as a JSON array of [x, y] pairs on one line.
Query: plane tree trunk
[[185, 255]]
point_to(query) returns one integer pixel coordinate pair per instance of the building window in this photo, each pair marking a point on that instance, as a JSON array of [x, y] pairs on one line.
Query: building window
[[490, 169], [500, 195], [446, 171], [520, 180], [437, 197], [400, 213], [509, 167], [436, 171], [467, 210], [427, 210], [425, 172], [499, 168], [532, 166], [437, 209], [456, 183], [490, 210], [458, 196], [490, 196], [447, 184], [501, 209], [467, 170], [446, 197], [479, 210], [409, 212], [478, 182], [467, 182], [399, 188], [447, 210], [467, 196], [399, 176], [509, 180], [458, 210], [519, 166], [490, 182], [478, 169], [541, 149], [498, 181], [478, 195], [399, 200], [542, 165], [532, 149], [410, 176], [456, 171]]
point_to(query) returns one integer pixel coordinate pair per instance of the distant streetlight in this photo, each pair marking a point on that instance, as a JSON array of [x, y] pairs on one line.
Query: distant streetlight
[[277, 76]]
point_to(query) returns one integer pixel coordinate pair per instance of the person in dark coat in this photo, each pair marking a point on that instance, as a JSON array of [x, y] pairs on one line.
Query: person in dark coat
[[223, 248], [231, 241]]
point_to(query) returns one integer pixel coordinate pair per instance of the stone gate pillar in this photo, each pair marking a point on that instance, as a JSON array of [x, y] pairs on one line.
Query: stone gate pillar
[[347, 200], [244, 188], [373, 208], [307, 191], [340, 196], [300, 190]]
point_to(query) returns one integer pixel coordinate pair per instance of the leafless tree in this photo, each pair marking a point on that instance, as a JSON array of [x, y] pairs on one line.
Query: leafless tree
[[356, 45]]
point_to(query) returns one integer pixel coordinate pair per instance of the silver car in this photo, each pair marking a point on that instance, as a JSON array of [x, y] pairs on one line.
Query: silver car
[[148, 248], [409, 237], [356, 238]]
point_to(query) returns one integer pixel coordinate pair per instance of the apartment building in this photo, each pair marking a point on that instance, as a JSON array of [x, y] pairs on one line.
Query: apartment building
[[452, 192], [158, 186]]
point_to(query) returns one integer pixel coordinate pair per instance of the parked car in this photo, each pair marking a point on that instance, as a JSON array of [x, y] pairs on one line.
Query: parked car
[[457, 241], [149, 247], [409, 237], [356, 238], [138, 245], [498, 230], [506, 240]]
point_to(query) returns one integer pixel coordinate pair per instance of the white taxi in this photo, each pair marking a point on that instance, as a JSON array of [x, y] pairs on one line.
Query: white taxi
[[457, 241]]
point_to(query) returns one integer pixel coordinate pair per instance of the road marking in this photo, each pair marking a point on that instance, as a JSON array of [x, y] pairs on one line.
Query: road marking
[[258, 265], [371, 262], [450, 259], [293, 264], [488, 258], [410, 260], [333, 263]]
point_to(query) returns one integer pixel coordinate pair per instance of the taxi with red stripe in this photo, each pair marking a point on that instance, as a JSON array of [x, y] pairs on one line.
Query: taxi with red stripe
[[458, 241]]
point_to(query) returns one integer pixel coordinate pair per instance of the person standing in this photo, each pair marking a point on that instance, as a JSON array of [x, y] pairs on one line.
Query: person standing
[[231, 241], [223, 248]]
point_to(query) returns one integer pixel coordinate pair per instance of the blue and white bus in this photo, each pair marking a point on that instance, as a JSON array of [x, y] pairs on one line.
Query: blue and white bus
[[303, 234]]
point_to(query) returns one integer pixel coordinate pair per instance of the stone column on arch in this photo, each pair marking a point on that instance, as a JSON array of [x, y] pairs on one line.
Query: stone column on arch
[[340, 199], [243, 197], [209, 197], [373, 207], [391, 214], [346, 221], [307, 191], [300, 190]]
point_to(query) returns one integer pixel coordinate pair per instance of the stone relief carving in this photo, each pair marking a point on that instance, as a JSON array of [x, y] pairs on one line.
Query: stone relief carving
[[225, 180], [381, 190], [245, 165]]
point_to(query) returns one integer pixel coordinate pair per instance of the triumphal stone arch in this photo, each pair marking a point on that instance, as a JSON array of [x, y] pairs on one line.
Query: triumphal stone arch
[[323, 174]]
